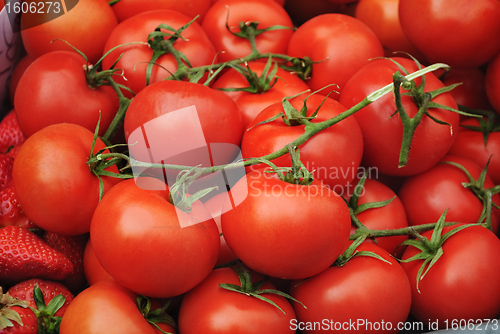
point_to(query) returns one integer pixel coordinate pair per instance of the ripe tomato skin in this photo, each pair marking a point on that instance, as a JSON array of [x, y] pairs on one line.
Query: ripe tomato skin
[[266, 13], [53, 182], [427, 195], [450, 289], [280, 228], [382, 17], [390, 216], [54, 89], [94, 272], [125, 9], [341, 45], [465, 34], [210, 309], [135, 224], [251, 104], [350, 293], [17, 73], [87, 33], [135, 57], [335, 165], [470, 144], [121, 315], [493, 82], [382, 134]]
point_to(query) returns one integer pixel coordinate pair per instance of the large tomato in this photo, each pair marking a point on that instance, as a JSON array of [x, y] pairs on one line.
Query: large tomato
[[390, 216], [86, 26], [170, 250], [210, 309], [382, 17], [463, 285], [232, 13], [54, 185], [427, 195], [107, 307], [465, 34], [334, 154], [470, 144], [285, 230], [128, 8], [54, 89], [383, 130], [366, 295], [217, 114], [340, 44], [251, 104], [135, 58], [493, 83]]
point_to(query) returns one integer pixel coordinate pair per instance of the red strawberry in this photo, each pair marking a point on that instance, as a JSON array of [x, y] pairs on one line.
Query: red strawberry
[[10, 133], [15, 316], [47, 301], [6, 162], [49, 289], [11, 212], [73, 247], [23, 255]]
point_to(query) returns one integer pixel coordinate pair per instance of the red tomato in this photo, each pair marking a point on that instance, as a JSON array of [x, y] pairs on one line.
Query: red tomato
[[251, 104], [54, 185], [465, 34], [339, 43], [335, 165], [125, 9], [17, 73], [390, 216], [214, 205], [300, 11], [170, 250], [94, 272], [218, 115], [232, 12], [472, 91], [470, 144], [372, 295], [54, 89], [106, 307], [493, 83], [382, 132], [382, 17], [427, 195], [279, 228], [281, 2], [449, 291], [135, 57], [210, 309], [87, 32]]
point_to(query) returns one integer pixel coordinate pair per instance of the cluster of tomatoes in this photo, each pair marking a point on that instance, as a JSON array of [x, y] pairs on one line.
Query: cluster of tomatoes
[[255, 166]]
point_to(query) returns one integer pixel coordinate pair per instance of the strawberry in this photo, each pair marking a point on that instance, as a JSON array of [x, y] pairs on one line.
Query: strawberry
[[6, 162], [47, 300], [10, 133], [11, 212], [73, 247], [24, 255], [15, 316]]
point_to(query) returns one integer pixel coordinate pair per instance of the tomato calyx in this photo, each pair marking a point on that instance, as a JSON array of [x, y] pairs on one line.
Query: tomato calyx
[[352, 251], [257, 84], [485, 195], [161, 45], [7, 315], [48, 323], [430, 250], [155, 317], [488, 124], [250, 289], [423, 101], [178, 195]]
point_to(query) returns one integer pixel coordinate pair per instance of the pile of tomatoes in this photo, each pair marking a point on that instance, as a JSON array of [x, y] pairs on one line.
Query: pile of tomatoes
[[261, 166]]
